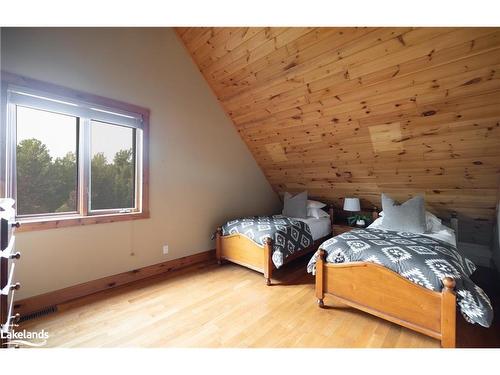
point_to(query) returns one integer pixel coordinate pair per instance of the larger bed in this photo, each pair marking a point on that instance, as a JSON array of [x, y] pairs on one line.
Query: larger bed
[[414, 280]]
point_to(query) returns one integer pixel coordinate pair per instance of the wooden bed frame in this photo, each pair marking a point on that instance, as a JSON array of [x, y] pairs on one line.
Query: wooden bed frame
[[379, 291], [241, 250]]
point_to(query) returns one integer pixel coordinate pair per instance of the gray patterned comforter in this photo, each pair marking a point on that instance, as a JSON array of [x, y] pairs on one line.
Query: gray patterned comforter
[[289, 235], [418, 258]]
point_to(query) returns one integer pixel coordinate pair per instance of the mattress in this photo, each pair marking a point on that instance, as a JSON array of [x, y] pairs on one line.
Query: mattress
[[319, 227]]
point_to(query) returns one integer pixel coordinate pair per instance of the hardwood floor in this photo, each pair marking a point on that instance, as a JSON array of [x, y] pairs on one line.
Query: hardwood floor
[[219, 306]]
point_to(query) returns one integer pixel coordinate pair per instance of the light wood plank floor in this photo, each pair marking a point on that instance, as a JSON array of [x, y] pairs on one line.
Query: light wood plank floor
[[219, 306]]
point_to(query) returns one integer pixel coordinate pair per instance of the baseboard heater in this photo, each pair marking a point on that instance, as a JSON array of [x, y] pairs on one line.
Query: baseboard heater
[[38, 314]]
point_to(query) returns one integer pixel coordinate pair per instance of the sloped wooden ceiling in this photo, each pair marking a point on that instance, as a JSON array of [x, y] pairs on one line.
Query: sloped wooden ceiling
[[359, 111]]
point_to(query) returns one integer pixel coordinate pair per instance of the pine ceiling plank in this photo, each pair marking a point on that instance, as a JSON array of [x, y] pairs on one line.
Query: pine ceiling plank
[[181, 30], [300, 54], [345, 99], [322, 61], [338, 84], [341, 85], [483, 115], [307, 53], [402, 137], [462, 50], [239, 54], [201, 40], [218, 37], [224, 43], [195, 37], [427, 48], [241, 77]]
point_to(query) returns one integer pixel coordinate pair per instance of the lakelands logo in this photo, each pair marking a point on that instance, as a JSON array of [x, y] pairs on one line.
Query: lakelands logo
[[27, 338]]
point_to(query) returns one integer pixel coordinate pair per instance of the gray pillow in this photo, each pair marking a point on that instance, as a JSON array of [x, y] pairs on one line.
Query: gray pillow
[[407, 217], [295, 206]]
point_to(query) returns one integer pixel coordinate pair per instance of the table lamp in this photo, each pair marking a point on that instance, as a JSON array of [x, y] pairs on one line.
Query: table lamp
[[352, 205]]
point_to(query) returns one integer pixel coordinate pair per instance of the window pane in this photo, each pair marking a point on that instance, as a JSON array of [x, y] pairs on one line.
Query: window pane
[[46, 162], [112, 172]]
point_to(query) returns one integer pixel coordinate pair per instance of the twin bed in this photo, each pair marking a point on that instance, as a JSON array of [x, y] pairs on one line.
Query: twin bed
[[416, 280], [266, 243]]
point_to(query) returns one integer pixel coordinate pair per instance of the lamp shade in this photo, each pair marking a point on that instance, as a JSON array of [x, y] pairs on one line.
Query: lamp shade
[[352, 204]]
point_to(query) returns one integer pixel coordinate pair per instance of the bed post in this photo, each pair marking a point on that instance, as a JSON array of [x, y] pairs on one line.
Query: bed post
[[454, 223], [330, 212], [448, 313], [218, 245], [268, 262], [320, 280], [374, 213]]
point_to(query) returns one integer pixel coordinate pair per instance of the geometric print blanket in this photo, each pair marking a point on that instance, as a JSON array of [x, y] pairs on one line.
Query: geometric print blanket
[[289, 236], [420, 259]]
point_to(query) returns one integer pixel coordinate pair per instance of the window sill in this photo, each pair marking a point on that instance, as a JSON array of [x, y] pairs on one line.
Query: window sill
[[28, 225]]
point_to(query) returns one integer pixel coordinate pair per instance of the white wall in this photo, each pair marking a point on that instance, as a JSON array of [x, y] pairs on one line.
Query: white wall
[[201, 173]]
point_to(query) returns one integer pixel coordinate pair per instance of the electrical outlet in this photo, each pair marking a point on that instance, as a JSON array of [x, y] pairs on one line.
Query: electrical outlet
[[165, 249]]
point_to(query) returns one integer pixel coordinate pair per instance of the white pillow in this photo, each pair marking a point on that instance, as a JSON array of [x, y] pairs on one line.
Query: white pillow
[[317, 213], [445, 234], [377, 223], [433, 222], [315, 204]]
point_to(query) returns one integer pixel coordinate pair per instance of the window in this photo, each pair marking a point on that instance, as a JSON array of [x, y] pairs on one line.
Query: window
[[72, 158], [112, 171], [46, 166]]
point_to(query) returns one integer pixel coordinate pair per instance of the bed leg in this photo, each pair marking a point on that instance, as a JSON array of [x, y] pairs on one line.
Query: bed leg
[[218, 245], [448, 314], [320, 280], [268, 262]]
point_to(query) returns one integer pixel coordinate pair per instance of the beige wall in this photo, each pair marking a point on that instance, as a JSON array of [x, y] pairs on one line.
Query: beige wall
[[201, 172]]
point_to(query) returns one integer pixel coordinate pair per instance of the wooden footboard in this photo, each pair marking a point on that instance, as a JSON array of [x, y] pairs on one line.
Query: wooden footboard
[[241, 250], [379, 291]]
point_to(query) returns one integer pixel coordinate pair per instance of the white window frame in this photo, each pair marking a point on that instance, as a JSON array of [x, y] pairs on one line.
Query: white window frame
[[26, 92]]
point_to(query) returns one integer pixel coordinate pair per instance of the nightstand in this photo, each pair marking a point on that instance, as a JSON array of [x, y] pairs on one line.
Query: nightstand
[[341, 228]]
